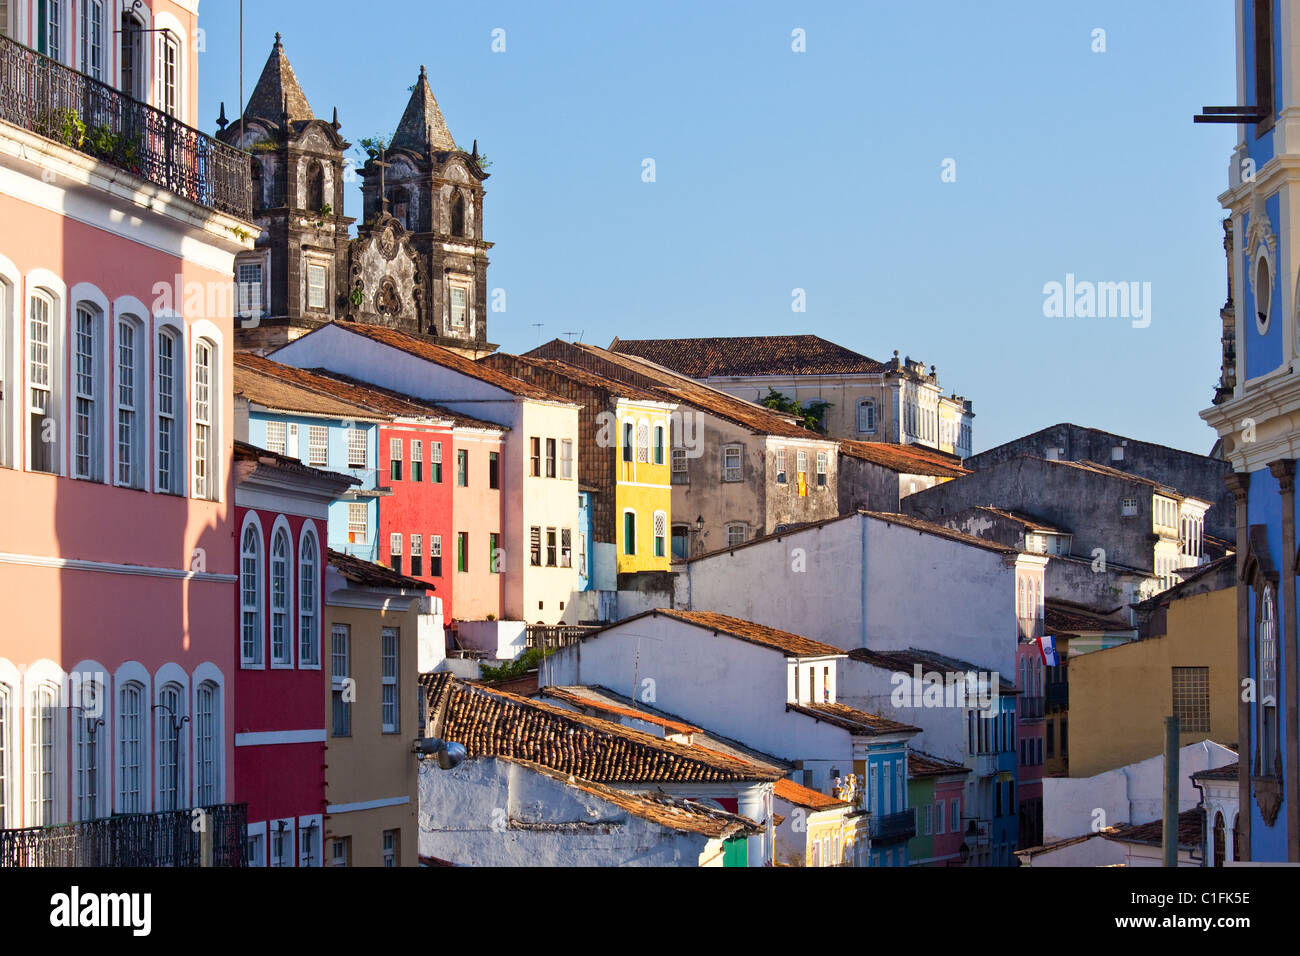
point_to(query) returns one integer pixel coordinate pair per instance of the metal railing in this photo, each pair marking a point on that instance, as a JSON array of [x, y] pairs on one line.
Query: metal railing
[[547, 636], [168, 838], [57, 102], [893, 827]]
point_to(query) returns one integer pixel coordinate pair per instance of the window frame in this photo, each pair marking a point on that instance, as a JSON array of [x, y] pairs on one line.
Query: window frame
[[91, 394], [170, 410], [137, 408], [736, 472], [308, 597], [251, 526], [280, 534], [206, 436], [389, 681], [340, 708]]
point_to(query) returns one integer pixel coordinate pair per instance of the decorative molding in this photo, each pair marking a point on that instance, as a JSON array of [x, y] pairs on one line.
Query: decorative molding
[[77, 564]]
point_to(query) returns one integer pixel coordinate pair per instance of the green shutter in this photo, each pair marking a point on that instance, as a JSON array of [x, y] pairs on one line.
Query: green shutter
[[735, 852]]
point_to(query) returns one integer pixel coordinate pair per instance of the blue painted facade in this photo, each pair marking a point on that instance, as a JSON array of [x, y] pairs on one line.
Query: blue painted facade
[[886, 766], [583, 560], [1006, 825], [340, 539]]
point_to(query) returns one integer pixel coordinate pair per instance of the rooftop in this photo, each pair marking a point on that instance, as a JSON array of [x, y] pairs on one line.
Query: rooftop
[[1227, 772], [746, 355], [1069, 617], [905, 459], [1027, 522], [906, 661], [369, 574], [792, 645], [802, 796], [245, 451], [921, 764], [1191, 827], [492, 723], [857, 722]]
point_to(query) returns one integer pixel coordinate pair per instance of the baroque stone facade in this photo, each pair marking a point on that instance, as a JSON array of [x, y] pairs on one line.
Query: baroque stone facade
[[418, 262]]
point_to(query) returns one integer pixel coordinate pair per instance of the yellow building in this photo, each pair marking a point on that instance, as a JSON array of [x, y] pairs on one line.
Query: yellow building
[[1185, 666], [817, 830], [374, 713], [642, 489]]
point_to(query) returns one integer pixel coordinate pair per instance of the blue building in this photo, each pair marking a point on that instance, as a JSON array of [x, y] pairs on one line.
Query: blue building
[[323, 431], [1254, 415]]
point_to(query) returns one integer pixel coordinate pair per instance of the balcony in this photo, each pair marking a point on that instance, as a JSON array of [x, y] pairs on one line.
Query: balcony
[[1030, 708], [1058, 697], [57, 102], [553, 636], [977, 832], [893, 827], [168, 838]]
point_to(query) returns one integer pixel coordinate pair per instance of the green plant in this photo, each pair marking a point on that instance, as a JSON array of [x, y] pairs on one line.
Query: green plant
[[520, 666], [64, 124], [813, 417], [357, 297], [240, 233], [326, 210], [264, 146]]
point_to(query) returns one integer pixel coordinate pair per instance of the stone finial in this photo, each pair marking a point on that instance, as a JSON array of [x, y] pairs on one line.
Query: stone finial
[[222, 122], [277, 39], [422, 73]]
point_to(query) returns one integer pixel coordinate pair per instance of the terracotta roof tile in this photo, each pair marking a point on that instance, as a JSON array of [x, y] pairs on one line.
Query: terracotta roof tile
[[1191, 826], [506, 363], [285, 389], [1228, 772], [245, 451], [906, 661], [905, 459], [853, 720], [369, 574], [921, 764], [1067, 616], [929, 527], [802, 796], [573, 697], [424, 349], [491, 723], [1028, 522], [402, 406], [750, 355], [771, 637]]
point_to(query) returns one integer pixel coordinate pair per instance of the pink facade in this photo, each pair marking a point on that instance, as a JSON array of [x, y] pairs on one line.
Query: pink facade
[[1029, 770], [947, 795], [476, 514]]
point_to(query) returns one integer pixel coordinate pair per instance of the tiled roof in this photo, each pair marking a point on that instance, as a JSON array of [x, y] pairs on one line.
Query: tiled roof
[[675, 813], [1109, 472], [1191, 826], [277, 91], [399, 405], [1228, 772], [675, 387], [244, 451], [285, 389], [1067, 616], [1225, 564], [369, 574], [426, 350], [905, 459], [921, 764], [502, 362], [422, 126], [802, 796], [906, 661], [575, 697], [491, 723], [929, 527], [853, 720], [750, 355], [790, 644], [1027, 522]]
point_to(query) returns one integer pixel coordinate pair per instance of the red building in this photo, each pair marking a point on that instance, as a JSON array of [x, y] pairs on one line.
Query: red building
[[281, 515]]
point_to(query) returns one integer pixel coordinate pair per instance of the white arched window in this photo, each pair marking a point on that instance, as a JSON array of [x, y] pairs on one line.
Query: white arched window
[[8, 814], [207, 431], [207, 743], [44, 383], [308, 577], [42, 755], [91, 731], [168, 401], [867, 415], [132, 747], [170, 712], [128, 437], [281, 633], [88, 392], [250, 594]]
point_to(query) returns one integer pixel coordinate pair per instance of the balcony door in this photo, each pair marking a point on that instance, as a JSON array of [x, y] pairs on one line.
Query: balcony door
[[132, 59]]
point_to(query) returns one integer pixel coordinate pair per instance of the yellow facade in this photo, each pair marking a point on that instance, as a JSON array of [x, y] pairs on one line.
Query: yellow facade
[[642, 487], [1119, 697], [370, 770]]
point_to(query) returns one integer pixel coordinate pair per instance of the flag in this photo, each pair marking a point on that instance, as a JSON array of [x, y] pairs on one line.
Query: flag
[[1047, 645]]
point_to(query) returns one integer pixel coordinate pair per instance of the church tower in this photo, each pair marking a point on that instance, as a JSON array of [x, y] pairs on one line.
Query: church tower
[[290, 283], [431, 188]]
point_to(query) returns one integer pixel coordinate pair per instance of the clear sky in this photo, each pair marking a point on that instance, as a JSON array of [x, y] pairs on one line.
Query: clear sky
[[778, 170]]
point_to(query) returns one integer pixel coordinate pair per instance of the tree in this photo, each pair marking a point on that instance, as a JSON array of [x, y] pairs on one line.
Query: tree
[[813, 417]]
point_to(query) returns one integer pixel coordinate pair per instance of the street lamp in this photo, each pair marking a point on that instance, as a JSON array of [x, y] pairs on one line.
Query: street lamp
[[449, 753]]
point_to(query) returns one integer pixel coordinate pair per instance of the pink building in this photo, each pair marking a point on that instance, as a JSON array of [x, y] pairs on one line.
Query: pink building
[[116, 557]]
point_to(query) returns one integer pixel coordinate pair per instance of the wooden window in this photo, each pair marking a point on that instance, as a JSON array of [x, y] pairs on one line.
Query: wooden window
[[308, 576], [459, 306], [780, 466], [417, 555], [417, 460], [462, 551], [92, 38], [494, 469], [205, 446], [87, 381], [169, 460], [629, 532], [318, 450], [131, 747], [435, 555], [207, 741], [167, 74], [680, 476], [823, 465], [277, 437], [250, 288], [731, 463], [357, 456], [661, 533], [435, 462], [550, 458], [388, 677], [535, 546], [566, 548], [550, 548], [395, 552], [250, 600], [130, 378], [341, 695], [357, 522], [44, 398], [316, 286], [659, 444], [535, 457], [566, 459], [643, 443], [462, 467], [494, 553], [395, 459], [867, 415], [281, 557]]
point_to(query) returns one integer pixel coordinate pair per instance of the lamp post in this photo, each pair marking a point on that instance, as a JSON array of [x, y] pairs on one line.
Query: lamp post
[[699, 527], [177, 724]]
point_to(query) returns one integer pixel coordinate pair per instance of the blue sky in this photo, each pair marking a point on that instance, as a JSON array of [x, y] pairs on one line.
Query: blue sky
[[821, 171]]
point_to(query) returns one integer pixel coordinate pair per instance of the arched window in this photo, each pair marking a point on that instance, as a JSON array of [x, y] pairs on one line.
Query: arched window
[[132, 746], [399, 201], [1268, 684], [643, 443], [308, 631], [457, 214], [281, 652], [250, 594], [1236, 838], [132, 69], [315, 187], [43, 384], [6, 754], [168, 452], [42, 755], [1263, 293], [167, 74], [1219, 840], [207, 743], [91, 742], [867, 415], [170, 710], [129, 437], [207, 396], [255, 171]]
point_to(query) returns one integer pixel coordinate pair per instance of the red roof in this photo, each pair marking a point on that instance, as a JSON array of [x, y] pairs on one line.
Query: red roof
[[744, 355], [905, 459]]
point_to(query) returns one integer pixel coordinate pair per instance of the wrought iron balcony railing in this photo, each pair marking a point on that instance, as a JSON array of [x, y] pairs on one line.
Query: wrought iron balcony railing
[[169, 838], [59, 103], [547, 636], [893, 827]]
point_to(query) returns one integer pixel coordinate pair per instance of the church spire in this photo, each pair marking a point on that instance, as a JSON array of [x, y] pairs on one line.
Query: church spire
[[422, 126], [277, 93]]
